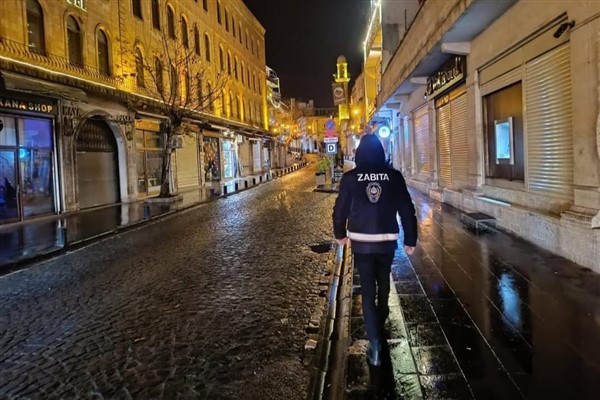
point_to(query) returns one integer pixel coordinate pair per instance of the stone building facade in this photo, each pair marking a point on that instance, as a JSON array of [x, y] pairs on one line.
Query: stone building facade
[[495, 109], [81, 129]]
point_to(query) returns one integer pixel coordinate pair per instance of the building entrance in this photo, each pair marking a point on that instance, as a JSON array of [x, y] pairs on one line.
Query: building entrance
[[97, 165]]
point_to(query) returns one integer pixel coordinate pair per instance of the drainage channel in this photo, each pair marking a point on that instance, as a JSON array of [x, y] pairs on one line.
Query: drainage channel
[[329, 382]]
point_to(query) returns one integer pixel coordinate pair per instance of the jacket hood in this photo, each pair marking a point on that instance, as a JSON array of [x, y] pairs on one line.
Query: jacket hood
[[370, 152]]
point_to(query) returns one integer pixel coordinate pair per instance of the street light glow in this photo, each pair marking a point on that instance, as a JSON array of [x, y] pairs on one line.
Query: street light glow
[[383, 132]]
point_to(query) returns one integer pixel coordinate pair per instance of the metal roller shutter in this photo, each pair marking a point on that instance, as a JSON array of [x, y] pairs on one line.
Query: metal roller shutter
[[459, 143], [187, 164], [422, 148], [549, 124], [502, 81], [397, 149], [406, 139], [443, 128], [97, 165]]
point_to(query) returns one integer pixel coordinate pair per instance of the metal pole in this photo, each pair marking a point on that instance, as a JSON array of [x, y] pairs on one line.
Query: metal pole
[[332, 168]]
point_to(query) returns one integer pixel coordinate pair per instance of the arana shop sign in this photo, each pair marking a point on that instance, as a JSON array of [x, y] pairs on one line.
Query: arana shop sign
[[22, 105], [452, 72]]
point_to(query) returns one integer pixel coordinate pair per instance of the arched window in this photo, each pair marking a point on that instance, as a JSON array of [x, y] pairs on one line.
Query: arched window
[[226, 20], [139, 68], [235, 68], [233, 25], [35, 27], [223, 106], [188, 88], [136, 5], [219, 13], [240, 32], [221, 59], [205, 5], [184, 33], [158, 76], [103, 53], [174, 82], [231, 104], [246, 40], [243, 73], [170, 23], [197, 40], [200, 93], [74, 42], [155, 14], [254, 81], [238, 110], [229, 63], [207, 47], [210, 97], [257, 49]]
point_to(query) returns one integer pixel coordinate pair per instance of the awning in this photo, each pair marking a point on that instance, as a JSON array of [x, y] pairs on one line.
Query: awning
[[475, 19], [38, 87]]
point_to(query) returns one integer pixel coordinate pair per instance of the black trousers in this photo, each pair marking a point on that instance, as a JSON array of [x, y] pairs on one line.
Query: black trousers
[[374, 271]]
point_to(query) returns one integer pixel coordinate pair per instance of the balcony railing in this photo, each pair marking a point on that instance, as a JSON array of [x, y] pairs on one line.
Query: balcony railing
[[22, 52]]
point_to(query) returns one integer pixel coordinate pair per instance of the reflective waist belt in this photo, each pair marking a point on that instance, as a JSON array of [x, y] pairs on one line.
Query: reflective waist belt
[[373, 237]]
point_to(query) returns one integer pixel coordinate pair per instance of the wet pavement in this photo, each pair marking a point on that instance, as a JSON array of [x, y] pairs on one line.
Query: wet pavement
[[210, 303], [22, 243], [485, 316], [213, 302]]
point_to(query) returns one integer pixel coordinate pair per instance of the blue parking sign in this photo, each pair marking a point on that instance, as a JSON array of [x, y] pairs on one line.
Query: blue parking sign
[[331, 148]]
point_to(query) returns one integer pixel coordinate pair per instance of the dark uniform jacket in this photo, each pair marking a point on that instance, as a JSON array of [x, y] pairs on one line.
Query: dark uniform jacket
[[370, 198]]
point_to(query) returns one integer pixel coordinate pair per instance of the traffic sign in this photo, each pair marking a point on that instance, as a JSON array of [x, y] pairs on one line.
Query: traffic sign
[[330, 139], [330, 124], [330, 148], [330, 134]]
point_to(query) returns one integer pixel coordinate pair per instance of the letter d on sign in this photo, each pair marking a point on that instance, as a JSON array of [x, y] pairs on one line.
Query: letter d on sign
[[331, 148]]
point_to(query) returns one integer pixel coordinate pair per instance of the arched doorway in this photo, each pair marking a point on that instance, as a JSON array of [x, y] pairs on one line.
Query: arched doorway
[[97, 164]]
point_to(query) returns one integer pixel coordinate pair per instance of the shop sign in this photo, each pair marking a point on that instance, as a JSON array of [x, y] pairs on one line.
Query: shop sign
[[71, 111], [124, 118], [147, 125], [452, 72], [78, 3], [22, 105]]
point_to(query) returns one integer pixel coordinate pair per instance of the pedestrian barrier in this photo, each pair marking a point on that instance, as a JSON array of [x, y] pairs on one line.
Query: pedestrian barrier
[[329, 382]]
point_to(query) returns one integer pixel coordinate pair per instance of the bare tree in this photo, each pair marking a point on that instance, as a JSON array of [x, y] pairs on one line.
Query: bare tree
[[188, 93]]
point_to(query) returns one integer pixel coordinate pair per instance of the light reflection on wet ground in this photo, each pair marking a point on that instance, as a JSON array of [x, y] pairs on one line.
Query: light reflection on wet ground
[[491, 316]]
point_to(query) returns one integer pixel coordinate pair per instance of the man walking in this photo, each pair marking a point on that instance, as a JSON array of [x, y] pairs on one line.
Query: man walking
[[370, 198]]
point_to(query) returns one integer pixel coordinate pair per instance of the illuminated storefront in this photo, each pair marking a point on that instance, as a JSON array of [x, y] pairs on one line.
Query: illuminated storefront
[[149, 148], [212, 159], [28, 180]]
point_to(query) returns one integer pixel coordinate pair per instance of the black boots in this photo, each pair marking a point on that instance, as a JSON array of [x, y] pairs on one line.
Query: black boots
[[374, 353]]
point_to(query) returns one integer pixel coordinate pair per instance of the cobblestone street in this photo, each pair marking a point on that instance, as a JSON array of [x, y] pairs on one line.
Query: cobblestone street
[[211, 303]]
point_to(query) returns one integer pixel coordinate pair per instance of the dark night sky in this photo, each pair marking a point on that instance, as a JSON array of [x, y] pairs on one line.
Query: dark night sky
[[304, 39]]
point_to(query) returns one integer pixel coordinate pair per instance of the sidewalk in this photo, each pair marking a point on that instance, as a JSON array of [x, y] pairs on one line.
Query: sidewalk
[[30, 241], [485, 316]]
